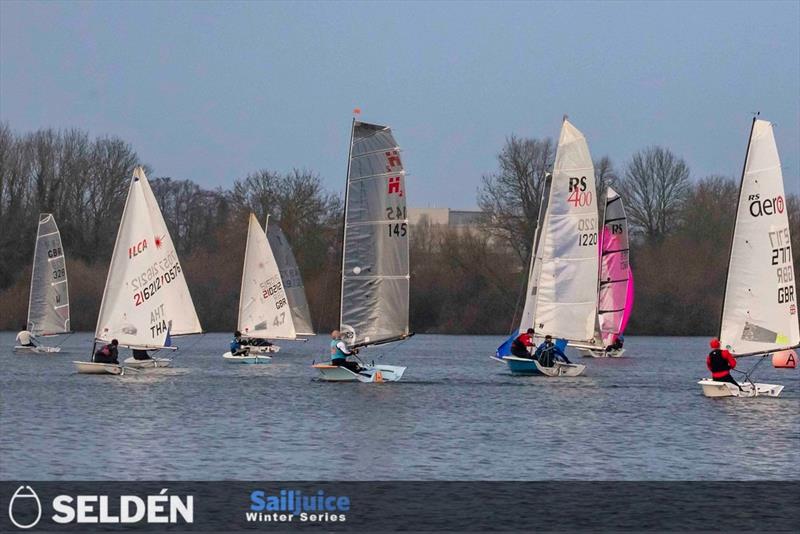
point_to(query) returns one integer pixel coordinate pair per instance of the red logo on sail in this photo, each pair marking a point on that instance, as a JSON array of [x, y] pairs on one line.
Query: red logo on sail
[[792, 309], [159, 241], [394, 186], [393, 161], [137, 249]]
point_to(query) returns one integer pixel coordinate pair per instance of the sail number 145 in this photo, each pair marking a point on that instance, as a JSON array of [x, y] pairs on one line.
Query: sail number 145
[[397, 229]]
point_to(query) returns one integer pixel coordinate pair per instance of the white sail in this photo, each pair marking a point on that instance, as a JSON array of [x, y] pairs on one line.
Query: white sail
[[263, 307], [567, 251], [48, 305], [291, 278], [759, 313], [146, 295]]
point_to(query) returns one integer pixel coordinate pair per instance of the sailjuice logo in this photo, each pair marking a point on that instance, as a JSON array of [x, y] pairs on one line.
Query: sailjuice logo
[[292, 505], [23, 502]]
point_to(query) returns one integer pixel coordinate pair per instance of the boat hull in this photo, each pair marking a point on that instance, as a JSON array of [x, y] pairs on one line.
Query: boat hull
[[525, 366], [91, 368], [600, 353], [714, 389], [263, 350], [371, 373], [20, 349], [152, 363], [247, 358]]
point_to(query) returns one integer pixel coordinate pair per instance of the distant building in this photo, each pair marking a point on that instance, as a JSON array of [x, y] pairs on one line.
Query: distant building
[[446, 217]]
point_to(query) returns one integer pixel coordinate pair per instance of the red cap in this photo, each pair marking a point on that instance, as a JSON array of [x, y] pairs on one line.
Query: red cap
[[714, 343]]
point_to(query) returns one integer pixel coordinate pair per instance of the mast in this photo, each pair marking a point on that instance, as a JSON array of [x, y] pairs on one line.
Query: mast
[[735, 223], [344, 218]]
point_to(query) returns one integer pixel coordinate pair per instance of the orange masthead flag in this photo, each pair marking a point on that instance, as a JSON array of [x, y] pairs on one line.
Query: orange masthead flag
[[356, 111]]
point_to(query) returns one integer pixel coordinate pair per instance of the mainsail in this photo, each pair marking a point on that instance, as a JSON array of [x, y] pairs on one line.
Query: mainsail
[[291, 278], [375, 270], [263, 307], [759, 313], [48, 306], [565, 281], [146, 296], [615, 297]]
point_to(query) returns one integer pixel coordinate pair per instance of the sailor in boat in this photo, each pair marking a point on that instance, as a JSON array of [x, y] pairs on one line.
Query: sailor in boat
[[237, 347], [548, 353], [340, 352], [720, 362], [141, 354], [519, 347], [616, 345], [25, 338], [108, 353]]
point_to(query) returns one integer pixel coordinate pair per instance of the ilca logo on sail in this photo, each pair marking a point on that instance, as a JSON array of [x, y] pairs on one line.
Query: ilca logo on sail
[[24, 508]]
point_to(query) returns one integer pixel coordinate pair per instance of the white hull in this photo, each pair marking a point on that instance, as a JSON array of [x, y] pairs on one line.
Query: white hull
[[147, 364], [372, 373], [19, 349], [714, 389], [247, 358], [561, 369], [600, 353], [91, 368]]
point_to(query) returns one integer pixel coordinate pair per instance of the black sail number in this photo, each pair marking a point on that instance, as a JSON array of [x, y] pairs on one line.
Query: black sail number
[[398, 229]]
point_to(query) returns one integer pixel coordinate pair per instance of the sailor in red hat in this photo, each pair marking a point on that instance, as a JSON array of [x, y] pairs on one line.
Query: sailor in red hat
[[720, 362]]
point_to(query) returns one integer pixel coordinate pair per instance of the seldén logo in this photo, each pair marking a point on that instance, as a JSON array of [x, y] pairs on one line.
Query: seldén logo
[[25, 509], [290, 505], [23, 501]]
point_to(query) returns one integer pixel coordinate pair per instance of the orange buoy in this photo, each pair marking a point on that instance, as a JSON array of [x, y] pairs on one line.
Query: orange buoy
[[785, 359]]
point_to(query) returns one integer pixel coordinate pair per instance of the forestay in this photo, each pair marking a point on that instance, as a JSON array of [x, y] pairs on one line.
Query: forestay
[[566, 288], [263, 307], [146, 295], [375, 271], [291, 278], [759, 313], [615, 298], [48, 305]]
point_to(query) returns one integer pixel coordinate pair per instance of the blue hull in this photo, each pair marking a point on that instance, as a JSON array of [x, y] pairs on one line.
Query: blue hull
[[522, 367]]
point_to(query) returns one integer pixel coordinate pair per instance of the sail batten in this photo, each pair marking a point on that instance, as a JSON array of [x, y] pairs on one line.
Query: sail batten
[[615, 296], [48, 303], [759, 311], [375, 269], [146, 299]]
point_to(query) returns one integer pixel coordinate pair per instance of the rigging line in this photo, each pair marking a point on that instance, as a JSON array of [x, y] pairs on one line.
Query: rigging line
[[66, 338]]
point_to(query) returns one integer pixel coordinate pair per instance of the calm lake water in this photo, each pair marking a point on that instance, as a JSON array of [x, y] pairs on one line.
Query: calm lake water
[[455, 416]]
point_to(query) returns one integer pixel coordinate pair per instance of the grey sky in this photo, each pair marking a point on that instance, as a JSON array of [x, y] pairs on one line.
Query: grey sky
[[212, 91]]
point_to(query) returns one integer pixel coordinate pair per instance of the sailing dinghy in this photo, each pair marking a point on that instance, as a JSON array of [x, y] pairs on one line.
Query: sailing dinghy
[[146, 300], [48, 305], [759, 312], [561, 296], [375, 269], [615, 284], [265, 307]]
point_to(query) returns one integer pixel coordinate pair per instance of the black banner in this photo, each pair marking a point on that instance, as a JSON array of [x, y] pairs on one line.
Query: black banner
[[180, 506]]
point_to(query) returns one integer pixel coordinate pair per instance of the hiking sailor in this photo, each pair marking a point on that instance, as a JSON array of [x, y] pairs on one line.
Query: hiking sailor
[[107, 353], [548, 352], [340, 352], [519, 347], [720, 362], [25, 338]]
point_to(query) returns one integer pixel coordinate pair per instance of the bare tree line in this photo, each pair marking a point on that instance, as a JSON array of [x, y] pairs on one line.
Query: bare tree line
[[462, 281]]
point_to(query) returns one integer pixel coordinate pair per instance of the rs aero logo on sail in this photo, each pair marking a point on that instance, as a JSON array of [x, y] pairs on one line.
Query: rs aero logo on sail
[[23, 501]]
